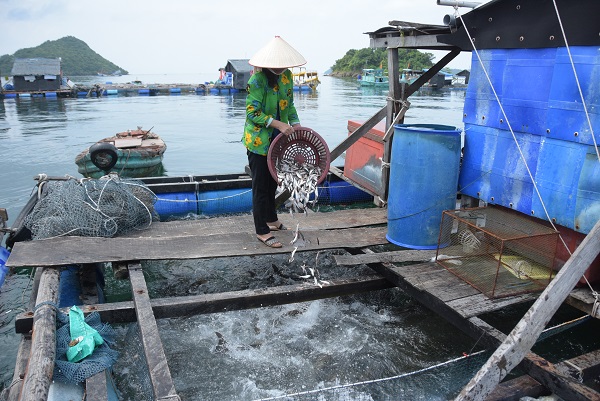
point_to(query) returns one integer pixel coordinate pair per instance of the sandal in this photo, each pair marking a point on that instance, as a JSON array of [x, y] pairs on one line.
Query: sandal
[[280, 227], [271, 242]]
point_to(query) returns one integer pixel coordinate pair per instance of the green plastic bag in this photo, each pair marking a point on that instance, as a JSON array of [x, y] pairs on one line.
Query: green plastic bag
[[84, 338]]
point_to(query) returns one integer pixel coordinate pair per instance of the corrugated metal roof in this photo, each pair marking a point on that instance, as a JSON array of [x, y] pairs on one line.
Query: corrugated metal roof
[[36, 66], [240, 65]]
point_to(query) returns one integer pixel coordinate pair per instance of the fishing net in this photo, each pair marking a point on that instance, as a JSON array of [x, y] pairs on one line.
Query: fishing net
[[102, 358], [104, 207]]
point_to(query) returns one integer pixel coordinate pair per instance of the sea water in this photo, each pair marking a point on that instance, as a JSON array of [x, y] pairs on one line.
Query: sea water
[[273, 350]]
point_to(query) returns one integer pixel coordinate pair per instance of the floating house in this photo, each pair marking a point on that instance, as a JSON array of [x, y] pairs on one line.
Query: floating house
[[240, 72], [36, 74]]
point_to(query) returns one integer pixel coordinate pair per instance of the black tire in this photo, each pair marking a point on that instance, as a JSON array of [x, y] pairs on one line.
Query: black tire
[[104, 155]]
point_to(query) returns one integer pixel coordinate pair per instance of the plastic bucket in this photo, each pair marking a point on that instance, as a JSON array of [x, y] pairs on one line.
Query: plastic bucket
[[423, 182]]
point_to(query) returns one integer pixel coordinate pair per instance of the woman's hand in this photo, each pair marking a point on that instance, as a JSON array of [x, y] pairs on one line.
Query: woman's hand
[[285, 129]]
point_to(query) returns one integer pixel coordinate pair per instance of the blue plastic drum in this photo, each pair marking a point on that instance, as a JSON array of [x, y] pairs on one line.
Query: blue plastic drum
[[424, 171]]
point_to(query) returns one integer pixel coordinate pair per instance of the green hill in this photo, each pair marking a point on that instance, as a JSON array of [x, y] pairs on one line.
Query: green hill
[[77, 57]]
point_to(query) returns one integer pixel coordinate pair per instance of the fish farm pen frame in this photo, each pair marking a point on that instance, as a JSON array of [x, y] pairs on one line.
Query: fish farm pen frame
[[427, 282]]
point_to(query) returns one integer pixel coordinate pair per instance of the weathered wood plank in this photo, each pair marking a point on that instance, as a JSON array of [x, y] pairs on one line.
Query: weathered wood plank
[[124, 312], [96, 387], [515, 389], [40, 367], [67, 250], [20, 368], [584, 367], [356, 135], [523, 336], [582, 299], [408, 255], [479, 304], [160, 375], [244, 223]]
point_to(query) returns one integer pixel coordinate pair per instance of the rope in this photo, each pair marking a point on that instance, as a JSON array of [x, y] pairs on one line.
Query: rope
[[457, 14], [204, 200], [4, 393], [585, 109], [375, 380]]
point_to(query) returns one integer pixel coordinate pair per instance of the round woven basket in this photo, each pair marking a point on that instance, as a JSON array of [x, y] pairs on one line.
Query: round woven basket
[[302, 146]]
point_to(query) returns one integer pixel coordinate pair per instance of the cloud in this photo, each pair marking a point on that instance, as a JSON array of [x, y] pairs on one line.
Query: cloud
[[188, 36], [29, 10]]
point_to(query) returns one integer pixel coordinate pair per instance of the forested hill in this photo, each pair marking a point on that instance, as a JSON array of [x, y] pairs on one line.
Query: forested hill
[[354, 60], [77, 57]]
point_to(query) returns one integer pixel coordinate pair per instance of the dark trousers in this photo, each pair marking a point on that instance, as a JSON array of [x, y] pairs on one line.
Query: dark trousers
[[263, 193]]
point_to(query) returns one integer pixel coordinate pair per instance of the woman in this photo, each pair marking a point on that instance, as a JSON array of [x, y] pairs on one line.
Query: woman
[[270, 111]]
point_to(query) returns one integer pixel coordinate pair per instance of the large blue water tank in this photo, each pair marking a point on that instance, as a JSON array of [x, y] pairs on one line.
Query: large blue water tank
[[424, 171]]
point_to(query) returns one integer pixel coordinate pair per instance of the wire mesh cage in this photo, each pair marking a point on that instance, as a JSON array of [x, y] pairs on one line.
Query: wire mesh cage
[[303, 146], [498, 252]]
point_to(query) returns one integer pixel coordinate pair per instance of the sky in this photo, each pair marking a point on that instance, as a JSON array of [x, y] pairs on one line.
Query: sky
[[199, 36]]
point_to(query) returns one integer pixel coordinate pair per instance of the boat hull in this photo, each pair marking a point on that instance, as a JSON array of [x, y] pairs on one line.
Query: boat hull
[[139, 154]]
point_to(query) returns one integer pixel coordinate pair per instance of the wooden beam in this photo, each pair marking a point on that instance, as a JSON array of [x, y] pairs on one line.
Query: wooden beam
[[408, 255], [160, 375], [515, 389], [415, 86], [524, 335], [356, 135], [583, 299], [124, 312], [67, 250], [96, 388], [583, 367], [40, 367], [20, 368], [422, 42]]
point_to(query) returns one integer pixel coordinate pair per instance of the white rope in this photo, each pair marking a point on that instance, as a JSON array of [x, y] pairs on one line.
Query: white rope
[[457, 14], [585, 109], [341, 386], [203, 200]]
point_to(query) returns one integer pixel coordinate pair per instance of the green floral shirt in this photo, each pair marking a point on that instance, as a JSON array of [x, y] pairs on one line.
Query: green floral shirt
[[261, 109]]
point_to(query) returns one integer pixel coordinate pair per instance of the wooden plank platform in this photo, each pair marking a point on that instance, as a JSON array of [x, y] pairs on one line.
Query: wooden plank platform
[[205, 238]]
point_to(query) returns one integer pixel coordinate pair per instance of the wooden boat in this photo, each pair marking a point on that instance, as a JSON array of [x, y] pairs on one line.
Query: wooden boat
[[374, 77], [305, 79], [133, 153]]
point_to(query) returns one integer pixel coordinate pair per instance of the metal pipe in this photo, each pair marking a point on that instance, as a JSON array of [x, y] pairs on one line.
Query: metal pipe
[[458, 3]]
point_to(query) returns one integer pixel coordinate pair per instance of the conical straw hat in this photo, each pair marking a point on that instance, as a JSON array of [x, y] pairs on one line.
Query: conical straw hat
[[277, 54]]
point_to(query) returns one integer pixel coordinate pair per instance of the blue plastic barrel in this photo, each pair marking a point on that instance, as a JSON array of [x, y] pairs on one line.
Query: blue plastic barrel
[[424, 171], [143, 91], [175, 90], [112, 92], [343, 192], [51, 94], [176, 204], [4, 254], [225, 201]]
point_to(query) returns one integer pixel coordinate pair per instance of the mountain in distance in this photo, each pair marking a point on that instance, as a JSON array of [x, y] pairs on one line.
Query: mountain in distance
[[77, 58]]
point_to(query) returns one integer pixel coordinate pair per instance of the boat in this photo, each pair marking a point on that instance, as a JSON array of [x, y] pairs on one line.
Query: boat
[[132, 153], [374, 77], [305, 80], [489, 185]]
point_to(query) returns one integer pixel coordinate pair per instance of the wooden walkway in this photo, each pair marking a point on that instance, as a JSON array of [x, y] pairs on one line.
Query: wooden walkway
[[352, 230]]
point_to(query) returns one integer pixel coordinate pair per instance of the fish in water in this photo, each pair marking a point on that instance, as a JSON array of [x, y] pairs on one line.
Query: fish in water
[[222, 345]]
